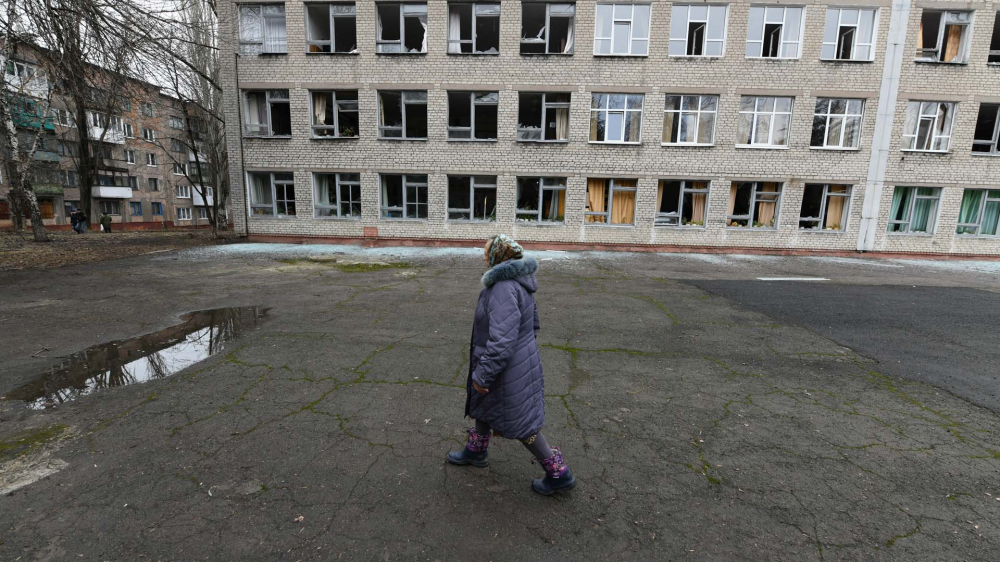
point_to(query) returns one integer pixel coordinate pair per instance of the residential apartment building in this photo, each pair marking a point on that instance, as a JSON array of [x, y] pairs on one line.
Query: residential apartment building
[[142, 142], [863, 125]]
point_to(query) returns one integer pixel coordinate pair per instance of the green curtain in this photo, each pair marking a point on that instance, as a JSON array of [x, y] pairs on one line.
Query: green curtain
[[971, 199], [922, 211], [991, 216], [900, 202]]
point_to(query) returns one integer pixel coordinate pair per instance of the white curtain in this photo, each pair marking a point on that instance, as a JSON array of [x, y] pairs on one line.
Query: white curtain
[[325, 184], [253, 109], [423, 23], [454, 32], [319, 107], [569, 39], [261, 191]]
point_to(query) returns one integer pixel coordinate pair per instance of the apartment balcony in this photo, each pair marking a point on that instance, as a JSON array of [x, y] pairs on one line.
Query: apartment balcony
[[112, 192], [197, 200], [46, 156], [113, 136], [47, 189]]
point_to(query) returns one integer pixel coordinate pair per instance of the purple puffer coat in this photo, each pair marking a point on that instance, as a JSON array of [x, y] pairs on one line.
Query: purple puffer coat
[[503, 356]]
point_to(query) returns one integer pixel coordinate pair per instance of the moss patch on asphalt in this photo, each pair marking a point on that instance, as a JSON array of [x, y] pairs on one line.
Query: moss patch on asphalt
[[19, 444]]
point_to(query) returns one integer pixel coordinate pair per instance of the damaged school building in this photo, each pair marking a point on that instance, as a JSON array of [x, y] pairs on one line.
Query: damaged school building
[[866, 125]]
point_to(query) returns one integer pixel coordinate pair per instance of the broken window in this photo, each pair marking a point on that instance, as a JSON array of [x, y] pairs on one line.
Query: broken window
[[943, 36], [837, 123], [754, 204], [697, 31], [404, 196], [681, 203], [849, 34], [928, 126], [774, 32], [543, 117], [547, 29], [402, 28], [994, 54], [472, 198], [403, 114], [615, 118], [271, 193], [987, 135], [267, 113], [331, 28], [472, 115], [474, 29], [541, 200], [690, 119], [764, 121], [824, 207], [610, 201], [914, 209], [335, 113], [337, 195], [262, 29], [980, 212], [622, 29]]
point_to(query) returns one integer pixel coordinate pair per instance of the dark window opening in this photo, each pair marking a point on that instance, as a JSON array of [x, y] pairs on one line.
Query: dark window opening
[[487, 35], [994, 55], [345, 35], [388, 21], [696, 38], [533, 29], [772, 40], [845, 42], [486, 121], [413, 40], [281, 119], [529, 117], [416, 120], [741, 205], [671, 196], [812, 203]]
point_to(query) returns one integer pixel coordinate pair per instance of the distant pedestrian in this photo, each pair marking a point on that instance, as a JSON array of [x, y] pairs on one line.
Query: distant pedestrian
[[106, 222], [74, 221], [80, 224], [504, 390]]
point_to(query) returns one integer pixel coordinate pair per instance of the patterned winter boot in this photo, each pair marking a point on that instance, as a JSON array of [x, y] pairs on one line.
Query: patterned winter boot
[[474, 453], [558, 476]]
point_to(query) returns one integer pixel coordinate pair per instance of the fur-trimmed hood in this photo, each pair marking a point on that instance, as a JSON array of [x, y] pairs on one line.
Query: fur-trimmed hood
[[522, 270]]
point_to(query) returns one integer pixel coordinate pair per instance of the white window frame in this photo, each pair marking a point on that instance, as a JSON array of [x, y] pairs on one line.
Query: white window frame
[[127, 130], [384, 210], [179, 169], [149, 135], [455, 45], [843, 118], [110, 207], [757, 113], [524, 134], [820, 221], [607, 111], [334, 10], [856, 43], [404, 12], [183, 213], [473, 103], [774, 196], [474, 183], [258, 129], [617, 19], [202, 213], [674, 219], [403, 103], [918, 111], [175, 122], [697, 112], [567, 8], [183, 192], [147, 109], [782, 38], [339, 106], [681, 19], [151, 159], [993, 143], [153, 184], [612, 187], [130, 156], [930, 55], [265, 45], [978, 225], [552, 184], [932, 217], [336, 206], [272, 184]]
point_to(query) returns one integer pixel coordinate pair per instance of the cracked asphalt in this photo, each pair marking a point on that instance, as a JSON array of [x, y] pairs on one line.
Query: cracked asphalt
[[705, 413]]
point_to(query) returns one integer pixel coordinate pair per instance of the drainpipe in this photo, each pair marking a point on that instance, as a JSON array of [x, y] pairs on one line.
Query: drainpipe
[[895, 50], [239, 138]]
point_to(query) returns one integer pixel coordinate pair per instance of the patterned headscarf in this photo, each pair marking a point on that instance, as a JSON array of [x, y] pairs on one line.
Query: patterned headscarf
[[503, 248]]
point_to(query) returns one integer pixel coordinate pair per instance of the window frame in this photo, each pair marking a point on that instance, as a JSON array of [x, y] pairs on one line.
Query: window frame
[[156, 208], [963, 57], [782, 41], [272, 185], [755, 114], [153, 184], [473, 185], [248, 128], [472, 116], [546, 106], [560, 183], [978, 225], [932, 137], [993, 143], [687, 25], [611, 187], [179, 166], [183, 192], [821, 219], [149, 135], [264, 39], [459, 42], [607, 110], [663, 219], [632, 39], [132, 207], [338, 182], [402, 29], [331, 15], [182, 213], [856, 42], [844, 117], [110, 207], [313, 127], [680, 112], [151, 159], [405, 182], [932, 216], [547, 27], [751, 223], [403, 103], [129, 156]]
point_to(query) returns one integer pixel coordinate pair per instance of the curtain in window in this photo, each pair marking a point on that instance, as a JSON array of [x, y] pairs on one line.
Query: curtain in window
[[835, 212], [951, 49], [562, 123], [320, 100], [659, 197], [454, 32], [921, 215], [969, 213], [732, 199], [327, 196], [568, 45], [423, 23], [698, 201], [275, 40], [597, 195], [623, 207], [991, 217], [765, 211], [900, 200], [260, 189]]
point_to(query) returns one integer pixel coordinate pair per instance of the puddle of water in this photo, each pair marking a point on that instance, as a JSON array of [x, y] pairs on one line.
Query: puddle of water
[[137, 360]]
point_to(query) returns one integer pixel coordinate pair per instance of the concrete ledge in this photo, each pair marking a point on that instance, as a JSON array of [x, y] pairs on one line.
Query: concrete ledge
[[581, 247]]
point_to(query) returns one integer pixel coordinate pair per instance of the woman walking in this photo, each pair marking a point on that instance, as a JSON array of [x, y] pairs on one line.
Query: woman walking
[[505, 385]]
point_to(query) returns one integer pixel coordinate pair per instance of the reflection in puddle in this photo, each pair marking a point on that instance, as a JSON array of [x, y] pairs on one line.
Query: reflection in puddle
[[137, 360]]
